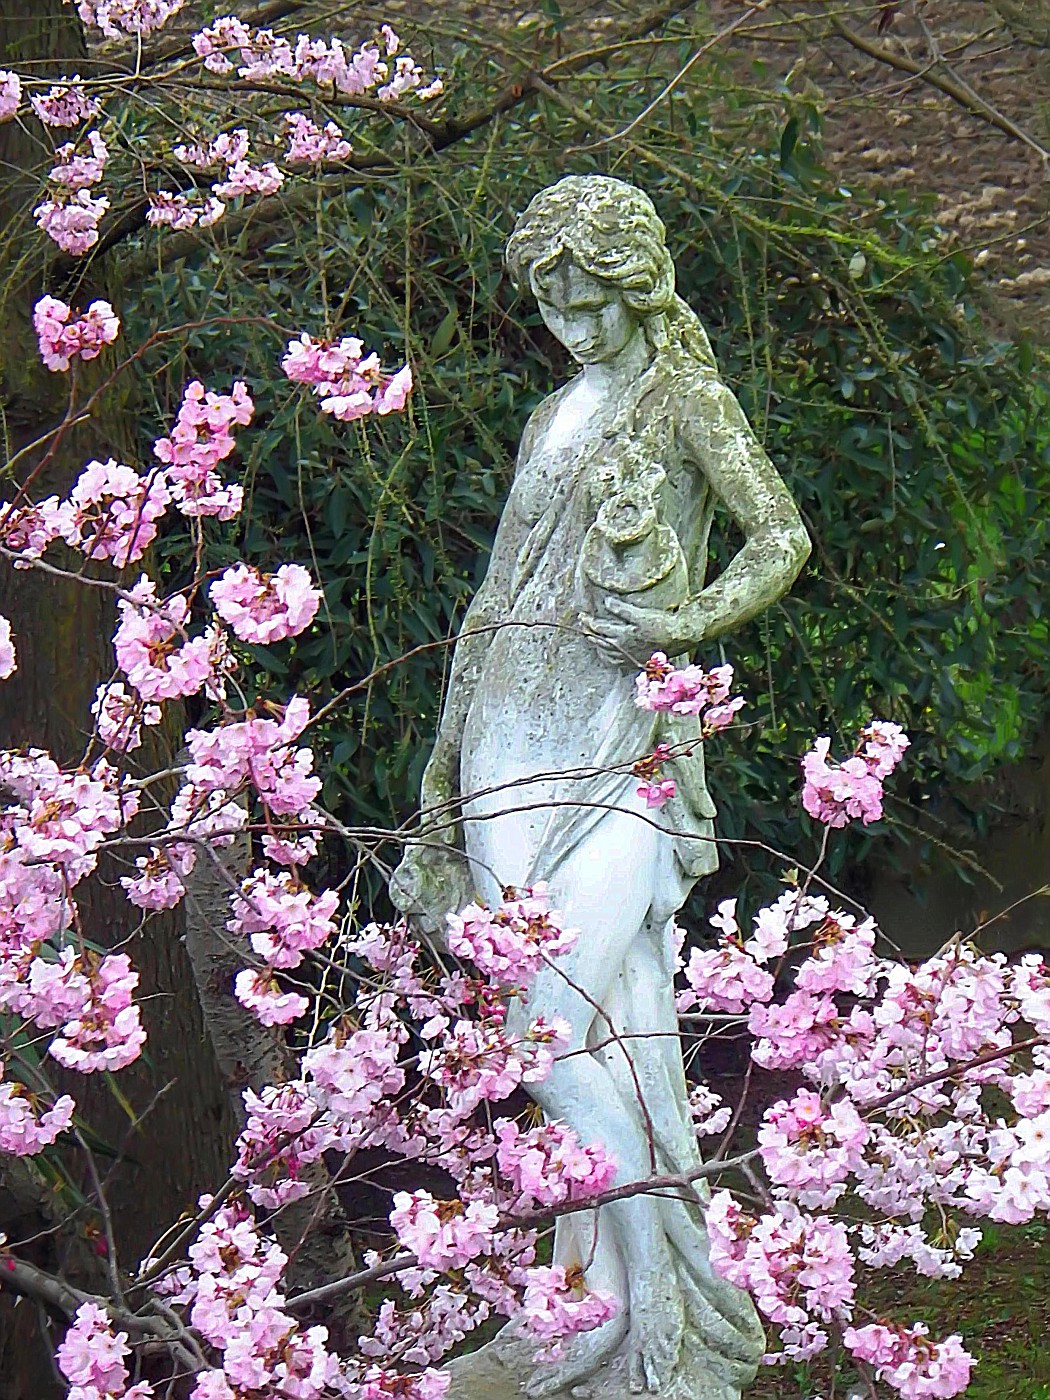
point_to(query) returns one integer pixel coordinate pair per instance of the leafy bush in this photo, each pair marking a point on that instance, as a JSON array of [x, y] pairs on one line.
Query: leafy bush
[[917, 448]]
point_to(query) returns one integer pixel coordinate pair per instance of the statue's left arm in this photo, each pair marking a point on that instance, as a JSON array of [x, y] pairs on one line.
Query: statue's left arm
[[717, 438]]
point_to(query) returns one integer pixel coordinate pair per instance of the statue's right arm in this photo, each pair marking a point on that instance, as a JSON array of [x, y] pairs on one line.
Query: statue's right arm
[[440, 787], [433, 877], [488, 609]]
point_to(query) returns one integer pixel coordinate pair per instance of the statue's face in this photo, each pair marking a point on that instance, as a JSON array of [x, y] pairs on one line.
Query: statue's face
[[590, 319]]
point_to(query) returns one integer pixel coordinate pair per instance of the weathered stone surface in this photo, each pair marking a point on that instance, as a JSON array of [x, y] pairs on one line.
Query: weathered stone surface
[[600, 559]]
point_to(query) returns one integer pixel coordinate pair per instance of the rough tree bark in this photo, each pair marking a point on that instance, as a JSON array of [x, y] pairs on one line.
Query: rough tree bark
[[63, 632]]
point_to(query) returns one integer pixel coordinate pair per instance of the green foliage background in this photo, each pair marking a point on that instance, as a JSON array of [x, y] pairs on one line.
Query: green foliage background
[[916, 446]]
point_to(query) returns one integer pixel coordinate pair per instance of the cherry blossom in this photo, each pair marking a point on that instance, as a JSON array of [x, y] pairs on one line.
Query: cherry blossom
[[911, 1364], [723, 979], [24, 1130], [811, 1147], [265, 608], [556, 1304], [29, 528], [107, 1033], [91, 1357], [10, 94], [688, 691], [152, 648], [835, 794], [66, 104], [202, 438], [265, 55], [309, 143], [282, 918], [160, 882], [548, 1165], [61, 339], [116, 18], [443, 1234], [510, 943], [349, 383], [181, 211], [259, 752], [78, 172], [8, 663], [72, 223], [260, 993], [120, 715], [112, 512]]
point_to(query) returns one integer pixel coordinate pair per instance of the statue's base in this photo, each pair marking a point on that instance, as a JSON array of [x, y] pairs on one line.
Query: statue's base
[[502, 1369]]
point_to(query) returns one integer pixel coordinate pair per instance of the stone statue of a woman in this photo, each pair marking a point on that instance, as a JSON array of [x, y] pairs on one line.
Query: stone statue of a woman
[[600, 560]]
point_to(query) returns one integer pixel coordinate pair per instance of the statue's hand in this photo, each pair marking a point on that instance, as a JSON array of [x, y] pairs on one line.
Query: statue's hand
[[433, 880], [628, 632]]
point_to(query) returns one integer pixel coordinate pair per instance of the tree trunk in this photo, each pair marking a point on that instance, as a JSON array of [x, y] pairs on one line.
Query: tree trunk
[[62, 632]]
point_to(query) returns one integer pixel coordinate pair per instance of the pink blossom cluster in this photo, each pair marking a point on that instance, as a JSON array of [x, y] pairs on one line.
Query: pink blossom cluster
[[265, 608], [230, 151], [689, 690], [153, 648], [234, 1300], [79, 172], [810, 1147], [885, 1245], [8, 662], [654, 787], [112, 512], [723, 979], [557, 1304], [310, 144], [443, 1234], [24, 1130], [117, 18], [182, 211], [349, 383], [908, 1361], [202, 438], [228, 148], [476, 1061], [91, 1356], [10, 94], [510, 943], [65, 104], [353, 1073], [286, 1133], [50, 835], [105, 1031], [120, 715], [282, 918], [895, 1117], [72, 222], [258, 753], [61, 339], [71, 214], [710, 1114], [548, 1165], [836, 793], [261, 54], [27, 528], [798, 1267], [350, 1097], [254, 757]]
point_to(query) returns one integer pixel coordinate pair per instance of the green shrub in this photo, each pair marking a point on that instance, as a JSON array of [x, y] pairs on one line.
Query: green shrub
[[917, 448]]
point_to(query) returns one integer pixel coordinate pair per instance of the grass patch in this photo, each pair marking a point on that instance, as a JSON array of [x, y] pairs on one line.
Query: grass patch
[[1000, 1306]]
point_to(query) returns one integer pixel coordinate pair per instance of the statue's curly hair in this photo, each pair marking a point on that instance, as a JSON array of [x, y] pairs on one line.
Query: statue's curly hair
[[611, 231]]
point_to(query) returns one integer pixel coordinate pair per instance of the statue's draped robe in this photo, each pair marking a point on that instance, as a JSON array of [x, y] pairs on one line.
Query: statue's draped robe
[[545, 688], [548, 702]]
